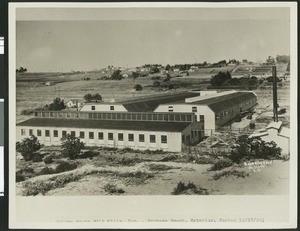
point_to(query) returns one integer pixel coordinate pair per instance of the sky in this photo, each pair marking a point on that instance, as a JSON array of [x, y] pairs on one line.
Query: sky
[[66, 44]]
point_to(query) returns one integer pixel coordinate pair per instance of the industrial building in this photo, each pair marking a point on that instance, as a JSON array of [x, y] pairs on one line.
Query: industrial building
[[164, 131], [153, 122], [209, 107]]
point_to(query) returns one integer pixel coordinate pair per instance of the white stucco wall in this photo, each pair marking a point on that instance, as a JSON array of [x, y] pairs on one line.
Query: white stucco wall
[[103, 107], [173, 138], [209, 115]]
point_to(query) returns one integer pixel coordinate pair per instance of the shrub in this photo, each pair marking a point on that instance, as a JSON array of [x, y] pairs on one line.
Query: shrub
[[169, 158], [252, 125], [65, 166], [24, 174], [253, 148], [113, 189], [88, 154], [71, 146], [28, 147], [138, 87], [26, 112], [189, 188], [156, 83], [37, 158], [220, 164], [46, 171], [48, 159], [159, 167], [227, 173]]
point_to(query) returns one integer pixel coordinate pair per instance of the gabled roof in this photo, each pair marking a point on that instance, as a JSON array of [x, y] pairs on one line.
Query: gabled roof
[[106, 124], [221, 103], [149, 103]]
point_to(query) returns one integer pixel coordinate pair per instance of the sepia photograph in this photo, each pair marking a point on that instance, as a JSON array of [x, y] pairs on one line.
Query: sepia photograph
[[125, 104]]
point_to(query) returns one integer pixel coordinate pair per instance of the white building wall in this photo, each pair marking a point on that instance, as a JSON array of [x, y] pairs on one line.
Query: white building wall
[[173, 138], [103, 107], [209, 115]]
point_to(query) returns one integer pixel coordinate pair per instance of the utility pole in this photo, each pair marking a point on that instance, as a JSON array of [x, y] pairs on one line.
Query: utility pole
[[275, 103]]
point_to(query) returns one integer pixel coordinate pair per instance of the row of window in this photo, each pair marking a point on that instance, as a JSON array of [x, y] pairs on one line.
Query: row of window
[[232, 110], [171, 109], [110, 135], [93, 108]]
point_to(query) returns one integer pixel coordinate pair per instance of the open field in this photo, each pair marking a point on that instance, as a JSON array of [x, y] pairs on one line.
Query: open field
[[96, 176]]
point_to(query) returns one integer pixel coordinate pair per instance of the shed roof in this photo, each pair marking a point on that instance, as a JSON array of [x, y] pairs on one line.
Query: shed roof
[[221, 103], [149, 103], [107, 124]]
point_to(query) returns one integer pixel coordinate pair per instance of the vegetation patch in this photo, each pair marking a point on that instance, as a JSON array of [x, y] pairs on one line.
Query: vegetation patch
[[221, 164], [64, 166], [42, 187], [113, 189], [160, 167], [189, 189], [228, 173], [24, 174]]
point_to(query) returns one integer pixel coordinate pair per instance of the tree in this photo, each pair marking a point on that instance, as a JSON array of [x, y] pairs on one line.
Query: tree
[[57, 105], [28, 147], [88, 97], [220, 79], [253, 148], [71, 146], [116, 75], [21, 70], [97, 97], [168, 67], [138, 87]]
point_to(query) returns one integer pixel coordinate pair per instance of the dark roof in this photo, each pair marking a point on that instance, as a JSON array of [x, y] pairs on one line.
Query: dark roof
[[149, 103], [107, 124], [221, 103]]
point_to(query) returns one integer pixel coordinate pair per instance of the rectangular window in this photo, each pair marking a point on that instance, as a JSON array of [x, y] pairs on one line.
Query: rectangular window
[[55, 133], [81, 135], [130, 137], [194, 109], [152, 139], [30, 132], [100, 135], [110, 136], [93, 108], [91, 135], [120, 137], [170, 108], [113, 116], [112, 108], [39, 132], [164, 139], [141, 138], [144, 117], [47, 133], [73, 133], [64, 134], [95, 115], [138, 116], [201, 118], [36, 114], [23, 132]]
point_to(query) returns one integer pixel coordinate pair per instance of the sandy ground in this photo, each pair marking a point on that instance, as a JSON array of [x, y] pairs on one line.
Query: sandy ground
[[268, 179]]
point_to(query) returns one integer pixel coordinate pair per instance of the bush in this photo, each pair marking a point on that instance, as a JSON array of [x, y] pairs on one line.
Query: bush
[[65, 166], [113, 189], [46, 171], [236, 173], [189, 188], [37, 158], [28, 147], [48, 159], [26, 112], [71, 146], [253, 148], [156, 83], [220, 164], [88, 154], [24, 174], [138, 87], [252, 125], [169, 158], [159, 167]]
